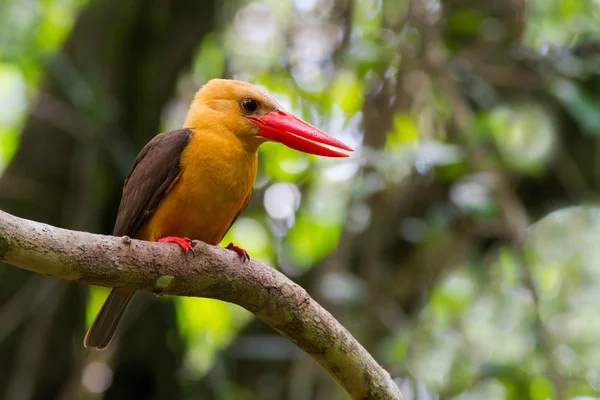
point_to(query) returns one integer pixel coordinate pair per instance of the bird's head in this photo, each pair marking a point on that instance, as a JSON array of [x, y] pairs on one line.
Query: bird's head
[[226, 107]]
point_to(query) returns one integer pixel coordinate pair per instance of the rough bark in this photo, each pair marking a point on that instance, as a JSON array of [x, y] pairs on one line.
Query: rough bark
[[214, 273]]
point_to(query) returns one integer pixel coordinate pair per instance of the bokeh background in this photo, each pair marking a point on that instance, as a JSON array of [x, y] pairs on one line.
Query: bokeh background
[[460, 243]]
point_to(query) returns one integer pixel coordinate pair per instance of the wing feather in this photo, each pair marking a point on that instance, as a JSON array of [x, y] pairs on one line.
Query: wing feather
[[154, 172]]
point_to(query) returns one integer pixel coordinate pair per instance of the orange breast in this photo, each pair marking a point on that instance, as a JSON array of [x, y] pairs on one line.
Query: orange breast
[[215, 184]]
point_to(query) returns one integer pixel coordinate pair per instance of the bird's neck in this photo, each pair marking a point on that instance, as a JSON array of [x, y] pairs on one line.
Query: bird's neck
[[223, 149], [215, 127]]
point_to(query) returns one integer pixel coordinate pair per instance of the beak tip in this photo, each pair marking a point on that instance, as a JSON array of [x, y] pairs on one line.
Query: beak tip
[[344, 146], [337, 155]]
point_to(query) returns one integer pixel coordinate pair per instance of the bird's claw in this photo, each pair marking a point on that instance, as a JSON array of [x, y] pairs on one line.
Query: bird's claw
[[241, 252], [184, 243]]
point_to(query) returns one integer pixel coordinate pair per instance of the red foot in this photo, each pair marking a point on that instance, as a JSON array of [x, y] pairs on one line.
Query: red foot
[[184, 243], [241, 252]]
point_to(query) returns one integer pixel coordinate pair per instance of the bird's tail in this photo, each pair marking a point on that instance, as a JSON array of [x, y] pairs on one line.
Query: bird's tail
[[100, 334]]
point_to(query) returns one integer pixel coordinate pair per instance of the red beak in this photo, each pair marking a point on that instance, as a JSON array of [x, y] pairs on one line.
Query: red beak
[[286, 129]]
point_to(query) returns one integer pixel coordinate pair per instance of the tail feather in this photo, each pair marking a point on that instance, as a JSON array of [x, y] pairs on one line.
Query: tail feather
[[102, 330]]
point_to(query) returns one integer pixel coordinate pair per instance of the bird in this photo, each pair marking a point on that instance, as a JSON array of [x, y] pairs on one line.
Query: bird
[[193, 183]]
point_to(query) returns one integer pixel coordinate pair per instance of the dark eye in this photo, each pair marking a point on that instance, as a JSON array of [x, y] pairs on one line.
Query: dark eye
[[249, 104]]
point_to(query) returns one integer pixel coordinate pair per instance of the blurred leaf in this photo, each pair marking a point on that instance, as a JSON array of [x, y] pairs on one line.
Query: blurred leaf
[[55, 24], [525, 135], [489, 389], [209, 325], [398, 351], [9, 140], [282, 163], [465, 22], [560, 22], [347, 92], [311, 239], [95, 300], [367, 18], [581, 104], [454, 295], [404, 133], [210, 59], [541, 388]]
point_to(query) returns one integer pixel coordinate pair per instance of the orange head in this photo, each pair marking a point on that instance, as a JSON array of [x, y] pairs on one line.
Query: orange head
[[243, 111]]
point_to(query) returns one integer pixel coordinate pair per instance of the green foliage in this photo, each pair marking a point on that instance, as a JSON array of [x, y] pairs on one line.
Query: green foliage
[[209, 326], [582, 105], [281, 163], [210, 59], [8, 145], [559, 23], [478, 332], [346, 91], [465, 22], [96, 298], [312, 239], [12, 108], [405, 132], [524, 135], [30, 31]]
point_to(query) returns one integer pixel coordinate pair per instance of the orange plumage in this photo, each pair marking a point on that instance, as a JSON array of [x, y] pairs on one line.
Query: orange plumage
[[194, 182]]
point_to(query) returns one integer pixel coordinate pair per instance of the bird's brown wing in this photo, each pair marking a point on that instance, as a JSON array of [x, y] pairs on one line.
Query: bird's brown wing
[[152, 175]]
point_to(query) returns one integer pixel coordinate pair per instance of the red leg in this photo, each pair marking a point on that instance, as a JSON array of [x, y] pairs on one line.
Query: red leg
[[184, 243], [241, 252]]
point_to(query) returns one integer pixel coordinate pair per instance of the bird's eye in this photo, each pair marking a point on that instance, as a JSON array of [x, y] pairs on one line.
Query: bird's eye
[[249, 104]]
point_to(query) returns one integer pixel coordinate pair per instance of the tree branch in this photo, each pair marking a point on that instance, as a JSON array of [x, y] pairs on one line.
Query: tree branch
[[213, 273]]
